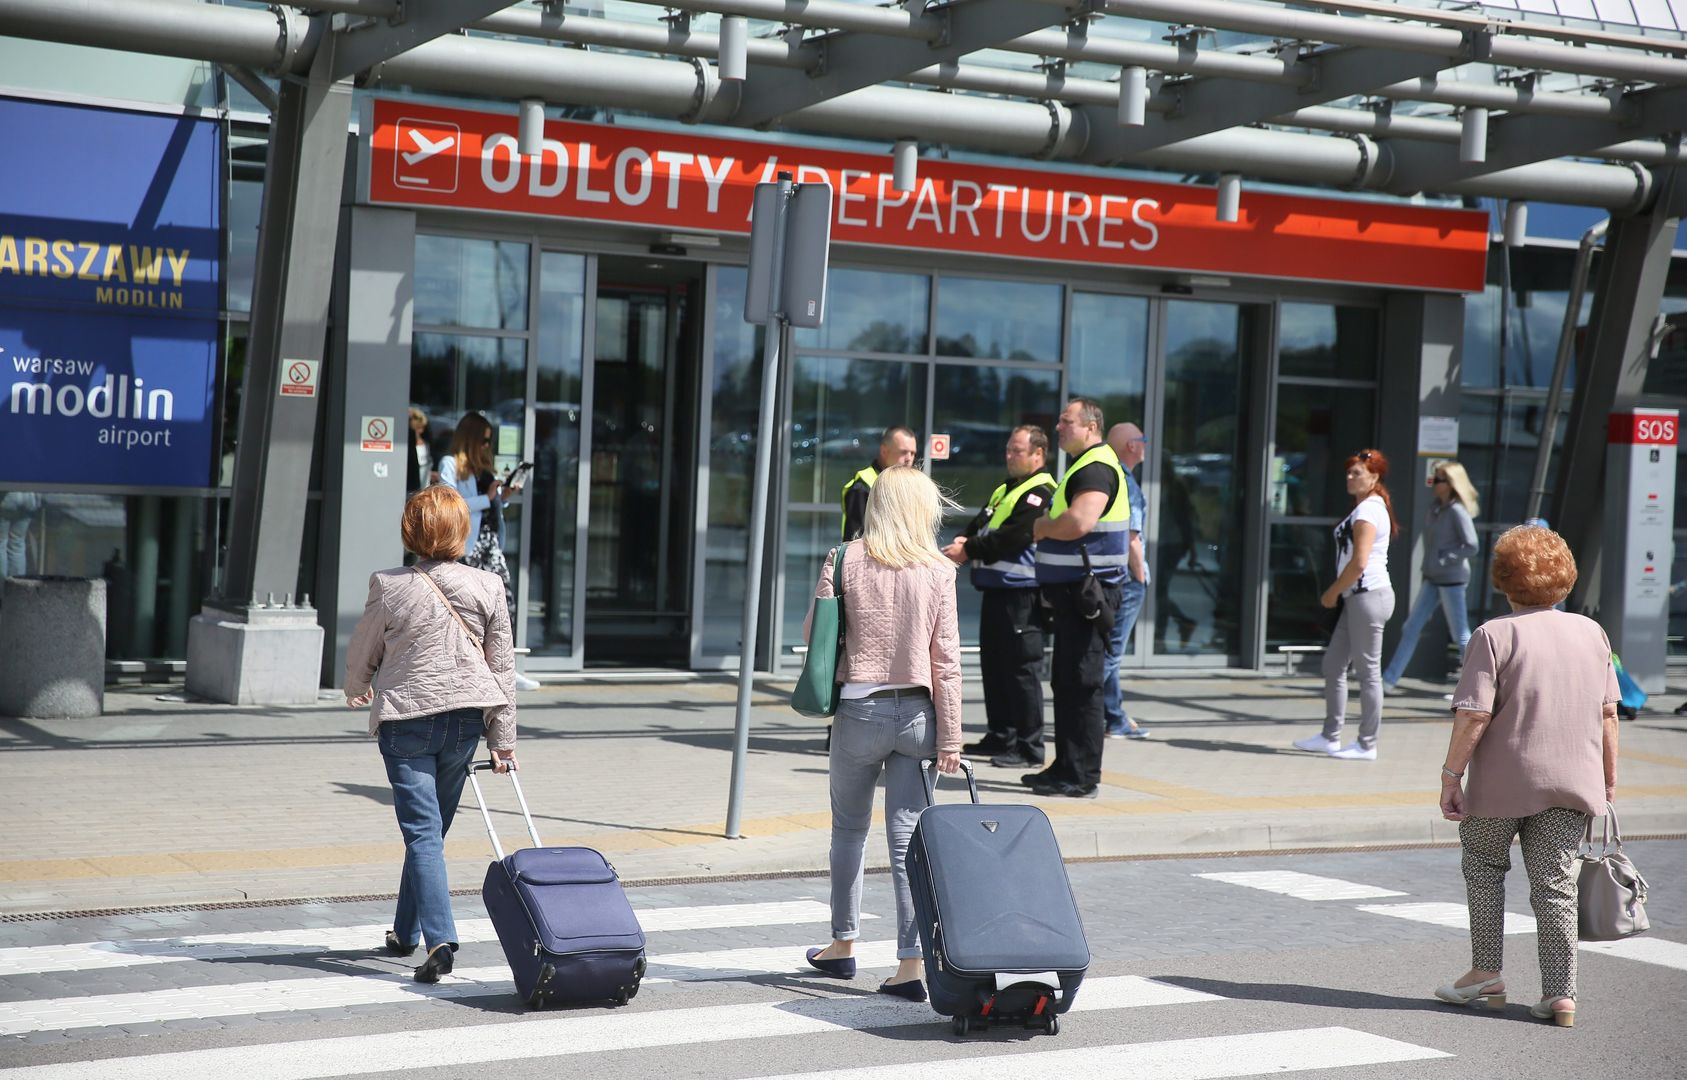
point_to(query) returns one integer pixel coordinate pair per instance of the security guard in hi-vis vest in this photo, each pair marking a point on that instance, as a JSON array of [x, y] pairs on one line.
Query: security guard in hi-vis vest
[[897, 446], [1083, 546], [1010, 623]]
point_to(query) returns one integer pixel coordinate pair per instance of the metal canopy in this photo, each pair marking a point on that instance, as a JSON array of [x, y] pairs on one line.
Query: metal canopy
[[1582, 100]]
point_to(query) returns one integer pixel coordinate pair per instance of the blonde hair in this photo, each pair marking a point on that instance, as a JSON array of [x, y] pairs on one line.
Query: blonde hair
[[1463, 489], [904, 511]]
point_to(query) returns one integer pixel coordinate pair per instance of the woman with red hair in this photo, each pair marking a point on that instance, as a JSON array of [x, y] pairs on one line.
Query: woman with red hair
[[1366, 598], [1535, 715]]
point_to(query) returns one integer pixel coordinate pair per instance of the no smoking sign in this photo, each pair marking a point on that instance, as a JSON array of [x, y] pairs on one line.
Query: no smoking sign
[[298, 377], [375, 434]]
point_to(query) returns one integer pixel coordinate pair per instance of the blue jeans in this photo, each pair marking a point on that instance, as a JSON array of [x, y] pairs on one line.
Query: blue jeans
[[1112, 695], [427, 763], [1451, 600]]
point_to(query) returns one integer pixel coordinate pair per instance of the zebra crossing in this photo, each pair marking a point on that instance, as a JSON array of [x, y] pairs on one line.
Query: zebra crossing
[[321, 973]]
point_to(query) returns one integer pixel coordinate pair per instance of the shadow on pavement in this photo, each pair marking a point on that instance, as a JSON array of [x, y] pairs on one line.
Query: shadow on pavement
[[1226, 744], [1297, 994]]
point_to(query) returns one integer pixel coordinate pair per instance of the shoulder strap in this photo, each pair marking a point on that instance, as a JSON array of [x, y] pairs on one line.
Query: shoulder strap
[[837, 569], [452, 608]]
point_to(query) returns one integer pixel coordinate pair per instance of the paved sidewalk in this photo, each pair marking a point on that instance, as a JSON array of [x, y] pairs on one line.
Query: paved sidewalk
[[163, 802]]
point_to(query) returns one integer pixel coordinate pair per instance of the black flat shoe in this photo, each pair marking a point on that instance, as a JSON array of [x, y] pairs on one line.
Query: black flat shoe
[[1066, 790], [396, 947], [984, 747], [1013, 759], [912, 990], [842, 968], [438, 963]]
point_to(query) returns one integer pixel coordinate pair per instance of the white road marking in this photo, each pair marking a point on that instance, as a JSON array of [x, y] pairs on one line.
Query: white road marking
[[1172, 1059], [98, 955], [547, 1036], [1647, 950], [1301, 886], [1452, 916], [370, 986]]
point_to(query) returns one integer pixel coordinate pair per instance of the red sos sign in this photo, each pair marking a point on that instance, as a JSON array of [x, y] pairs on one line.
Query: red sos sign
[[1647, 428]]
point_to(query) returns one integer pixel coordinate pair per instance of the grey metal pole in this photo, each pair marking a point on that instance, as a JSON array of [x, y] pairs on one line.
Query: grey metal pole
[[1561, 366], [758, 517]]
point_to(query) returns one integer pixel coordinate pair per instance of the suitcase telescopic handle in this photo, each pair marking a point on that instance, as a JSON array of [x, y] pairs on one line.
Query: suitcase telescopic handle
[[930, 779], [497, 848]]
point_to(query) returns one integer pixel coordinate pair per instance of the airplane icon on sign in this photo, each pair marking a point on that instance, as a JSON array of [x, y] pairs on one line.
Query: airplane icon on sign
[[425, 147], [426, 164]]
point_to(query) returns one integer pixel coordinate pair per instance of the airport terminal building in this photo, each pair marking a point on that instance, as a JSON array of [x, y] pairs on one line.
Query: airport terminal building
[[588, 300]]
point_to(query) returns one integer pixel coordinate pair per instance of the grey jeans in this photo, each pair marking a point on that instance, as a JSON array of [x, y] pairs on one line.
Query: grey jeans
[[1358, 641], [870, 736]]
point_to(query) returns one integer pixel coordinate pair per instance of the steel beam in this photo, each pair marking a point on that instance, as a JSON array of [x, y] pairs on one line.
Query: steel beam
[[852, 61], [1521, 140], [1202, 106], [271, 41], [1611, 369], [417, 22], [298, 228]]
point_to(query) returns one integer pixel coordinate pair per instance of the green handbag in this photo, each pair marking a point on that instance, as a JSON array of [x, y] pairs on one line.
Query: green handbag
[[816, 692]]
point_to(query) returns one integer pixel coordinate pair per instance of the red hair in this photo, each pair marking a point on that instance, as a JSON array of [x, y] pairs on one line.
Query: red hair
[[1376, 463], [435, 524]]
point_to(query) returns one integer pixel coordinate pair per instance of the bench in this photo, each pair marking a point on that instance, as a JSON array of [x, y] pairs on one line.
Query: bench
[[1291, 653]]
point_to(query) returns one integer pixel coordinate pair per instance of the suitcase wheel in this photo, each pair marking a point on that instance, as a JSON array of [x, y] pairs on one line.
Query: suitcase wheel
[[622, 997], [961, 1025], [1051, 1025], [536, 1000]]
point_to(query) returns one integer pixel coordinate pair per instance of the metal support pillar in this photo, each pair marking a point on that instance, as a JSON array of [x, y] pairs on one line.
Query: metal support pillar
[[1618, 347], [1422, 336], [297, 232]]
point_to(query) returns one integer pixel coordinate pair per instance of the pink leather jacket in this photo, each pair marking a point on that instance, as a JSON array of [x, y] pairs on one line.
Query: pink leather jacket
[[419, 659], [900, 626]]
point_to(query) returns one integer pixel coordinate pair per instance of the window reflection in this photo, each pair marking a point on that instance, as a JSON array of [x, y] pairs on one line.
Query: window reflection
[[1007, 320], [869, 311], [1323, 340], [839, 410], [554, 492], [1302, 564], [1317, 427], [734, 404], [1109, 353], [978, 407], [472, 283]]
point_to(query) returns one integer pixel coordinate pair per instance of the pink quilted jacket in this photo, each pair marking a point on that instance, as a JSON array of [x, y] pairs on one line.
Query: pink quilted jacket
[[426, 664], [900, 626]]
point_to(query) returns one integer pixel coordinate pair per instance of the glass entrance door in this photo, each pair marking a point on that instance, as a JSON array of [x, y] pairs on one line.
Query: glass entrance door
[[1199, 530], [640, 508]]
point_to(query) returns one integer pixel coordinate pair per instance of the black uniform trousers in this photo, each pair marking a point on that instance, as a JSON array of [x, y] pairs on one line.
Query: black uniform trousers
[[1010, 657], [1080, 655]]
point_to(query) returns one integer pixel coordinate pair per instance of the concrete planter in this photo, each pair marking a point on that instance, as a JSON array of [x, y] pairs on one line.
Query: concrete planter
[[52, 647]]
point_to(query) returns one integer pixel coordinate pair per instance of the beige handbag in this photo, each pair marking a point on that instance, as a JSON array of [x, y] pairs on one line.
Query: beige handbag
[[1613, 894]]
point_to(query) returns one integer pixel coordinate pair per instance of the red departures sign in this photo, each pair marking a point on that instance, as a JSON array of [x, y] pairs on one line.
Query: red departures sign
[[427, 155]]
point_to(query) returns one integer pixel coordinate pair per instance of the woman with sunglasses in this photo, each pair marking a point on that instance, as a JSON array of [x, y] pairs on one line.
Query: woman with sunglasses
[[1451, 533], [1366, 598]]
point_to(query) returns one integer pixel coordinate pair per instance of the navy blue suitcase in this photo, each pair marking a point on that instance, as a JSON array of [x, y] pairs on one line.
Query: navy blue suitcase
[[999, 927], [562, 917]]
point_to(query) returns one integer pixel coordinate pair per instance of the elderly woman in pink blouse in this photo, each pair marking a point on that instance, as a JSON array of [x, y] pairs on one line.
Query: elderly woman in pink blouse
[[900, 703], [1536, 722]]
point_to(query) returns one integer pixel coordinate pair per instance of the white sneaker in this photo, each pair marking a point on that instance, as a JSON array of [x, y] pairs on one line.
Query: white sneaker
[[1318, 744], [1355, 753], [522, 682]]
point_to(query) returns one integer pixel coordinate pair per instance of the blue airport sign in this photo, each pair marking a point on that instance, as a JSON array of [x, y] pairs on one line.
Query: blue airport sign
[[110, 287]]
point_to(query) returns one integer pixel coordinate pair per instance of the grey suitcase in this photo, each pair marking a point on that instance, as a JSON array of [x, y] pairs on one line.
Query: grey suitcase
[[998, 924]]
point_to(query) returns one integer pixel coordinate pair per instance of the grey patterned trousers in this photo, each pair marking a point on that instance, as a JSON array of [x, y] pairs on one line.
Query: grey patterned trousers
[[1549, 840]]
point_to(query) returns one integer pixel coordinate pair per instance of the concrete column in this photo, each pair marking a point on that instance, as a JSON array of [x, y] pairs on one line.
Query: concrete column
[[364, 490], [1422, 336]]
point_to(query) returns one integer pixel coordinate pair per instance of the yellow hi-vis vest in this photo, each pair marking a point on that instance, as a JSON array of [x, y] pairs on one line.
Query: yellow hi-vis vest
[[866, 476], [1061, 562], [1020, 572]]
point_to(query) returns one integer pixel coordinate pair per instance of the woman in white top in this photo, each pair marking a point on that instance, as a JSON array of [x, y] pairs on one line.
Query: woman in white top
[[1366, 598]]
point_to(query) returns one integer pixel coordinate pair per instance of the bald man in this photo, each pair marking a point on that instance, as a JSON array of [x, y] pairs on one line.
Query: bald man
[[1128, 441]]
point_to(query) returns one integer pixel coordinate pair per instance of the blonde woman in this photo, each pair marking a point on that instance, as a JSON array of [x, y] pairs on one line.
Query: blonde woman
[[900, 703], [1451, 541]]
